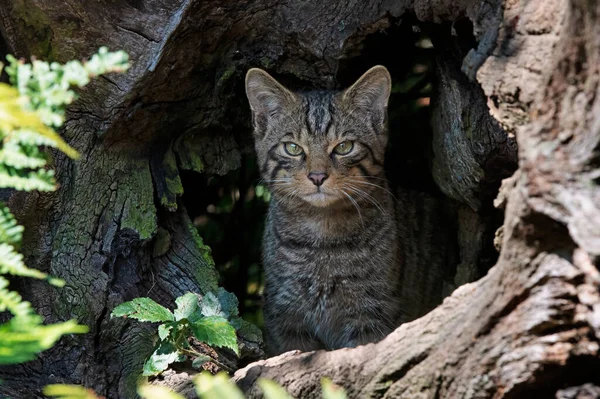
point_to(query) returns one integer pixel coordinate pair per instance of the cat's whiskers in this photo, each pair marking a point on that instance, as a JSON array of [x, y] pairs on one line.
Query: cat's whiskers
[[363, 194], [359, 181], [355, 204]]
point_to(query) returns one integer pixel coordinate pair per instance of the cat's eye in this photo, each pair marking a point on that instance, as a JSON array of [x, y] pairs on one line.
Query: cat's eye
[[344, 148], [293, 149]]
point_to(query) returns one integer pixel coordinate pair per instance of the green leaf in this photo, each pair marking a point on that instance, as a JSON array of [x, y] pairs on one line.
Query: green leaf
[[63, 391], [224, 304], [186, 305], [165, 329], [331, 390], [164, 355], [229, 303], [211, 306], [216, 387], [272, 390], [143, 309], [215, 331], [148, 391], [199, 361]]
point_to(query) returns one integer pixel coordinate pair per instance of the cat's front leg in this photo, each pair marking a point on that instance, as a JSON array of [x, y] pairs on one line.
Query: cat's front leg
[[280, 340]]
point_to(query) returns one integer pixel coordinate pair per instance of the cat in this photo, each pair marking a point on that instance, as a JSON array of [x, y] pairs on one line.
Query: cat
[[332, 247]]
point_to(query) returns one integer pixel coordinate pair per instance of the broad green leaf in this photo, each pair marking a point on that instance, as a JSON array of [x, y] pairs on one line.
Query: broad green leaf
[[211, 306], [186, 305], [331, 390], [63, 391], [229, 303], [215, 331], [143, 309], [148, 391], [165, 329], [200, 360], [224, 304], [272, 390], [164, 355], [216, 387]]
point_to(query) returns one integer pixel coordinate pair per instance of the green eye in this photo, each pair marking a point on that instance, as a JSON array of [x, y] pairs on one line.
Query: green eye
[[293, 149], [344, 148]]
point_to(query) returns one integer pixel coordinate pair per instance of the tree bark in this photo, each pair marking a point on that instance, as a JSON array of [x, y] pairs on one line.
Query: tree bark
[[531, 326], [116, 229]]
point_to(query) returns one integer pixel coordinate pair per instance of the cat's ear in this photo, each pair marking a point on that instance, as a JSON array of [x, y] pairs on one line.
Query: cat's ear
[[265, 94], [371, 91]]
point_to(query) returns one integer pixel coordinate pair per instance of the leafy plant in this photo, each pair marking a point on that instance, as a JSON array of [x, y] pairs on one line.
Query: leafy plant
[[30, 108], [211, 319]]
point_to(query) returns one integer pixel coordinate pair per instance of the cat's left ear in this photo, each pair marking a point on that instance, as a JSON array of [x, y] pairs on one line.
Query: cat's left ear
[[265, 94], [371, 91]]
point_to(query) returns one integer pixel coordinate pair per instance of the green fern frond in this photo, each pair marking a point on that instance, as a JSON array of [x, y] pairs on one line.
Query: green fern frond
[[12, 301], [21, 345], [27, 180], [11, 262], [21, 156], [10, 232]]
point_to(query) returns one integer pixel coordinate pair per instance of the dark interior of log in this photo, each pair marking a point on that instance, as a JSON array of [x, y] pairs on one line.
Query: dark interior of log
[[227, 210]]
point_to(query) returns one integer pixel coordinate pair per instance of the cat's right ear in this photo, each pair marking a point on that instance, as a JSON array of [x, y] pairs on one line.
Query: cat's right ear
[[266, 95]]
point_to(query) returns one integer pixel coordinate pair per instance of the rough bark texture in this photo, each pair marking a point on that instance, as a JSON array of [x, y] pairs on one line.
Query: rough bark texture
[[531, 326], [117, 230]]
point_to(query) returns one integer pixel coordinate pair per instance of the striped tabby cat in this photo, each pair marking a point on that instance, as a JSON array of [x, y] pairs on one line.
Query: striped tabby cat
[[330, 247]]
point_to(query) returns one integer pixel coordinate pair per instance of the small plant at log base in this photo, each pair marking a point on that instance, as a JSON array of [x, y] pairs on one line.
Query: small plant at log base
[[30, 108], [211, 319]]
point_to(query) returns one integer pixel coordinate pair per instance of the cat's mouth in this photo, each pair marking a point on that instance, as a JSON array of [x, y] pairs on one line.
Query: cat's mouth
[[319, 198]]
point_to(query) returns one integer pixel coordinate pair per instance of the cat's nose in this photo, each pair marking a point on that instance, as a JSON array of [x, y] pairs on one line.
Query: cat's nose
[[317, 178]]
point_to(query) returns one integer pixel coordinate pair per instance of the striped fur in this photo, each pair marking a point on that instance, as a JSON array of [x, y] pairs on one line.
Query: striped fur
[[330, 252]]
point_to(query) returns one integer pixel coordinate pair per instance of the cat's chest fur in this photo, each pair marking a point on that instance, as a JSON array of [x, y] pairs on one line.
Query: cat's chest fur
[[323, 276]]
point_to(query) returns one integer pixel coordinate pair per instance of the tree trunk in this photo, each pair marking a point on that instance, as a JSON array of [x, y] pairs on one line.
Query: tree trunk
[[117, 229]]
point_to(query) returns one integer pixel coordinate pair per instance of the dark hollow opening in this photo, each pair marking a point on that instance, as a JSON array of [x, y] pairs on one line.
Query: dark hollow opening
[[229, 210]]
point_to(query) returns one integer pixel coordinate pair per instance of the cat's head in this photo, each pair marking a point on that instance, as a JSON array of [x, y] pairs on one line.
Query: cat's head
[[320, 147]]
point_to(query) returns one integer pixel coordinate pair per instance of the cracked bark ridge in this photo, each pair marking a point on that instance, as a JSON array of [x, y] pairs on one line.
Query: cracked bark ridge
[[531, 326]]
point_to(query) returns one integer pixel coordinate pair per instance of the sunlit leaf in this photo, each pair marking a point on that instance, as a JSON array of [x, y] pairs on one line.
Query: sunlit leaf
[[215, 331], [216, 387], [148, 391], [143, 309], [186, 305], [63, 391], [164, 355], [272, 390]]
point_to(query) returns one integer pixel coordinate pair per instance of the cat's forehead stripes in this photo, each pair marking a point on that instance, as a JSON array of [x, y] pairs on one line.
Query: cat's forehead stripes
[[317, 108]]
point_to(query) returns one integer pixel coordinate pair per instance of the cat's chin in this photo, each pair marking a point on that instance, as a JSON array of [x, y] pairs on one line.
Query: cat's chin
[[320, 199]]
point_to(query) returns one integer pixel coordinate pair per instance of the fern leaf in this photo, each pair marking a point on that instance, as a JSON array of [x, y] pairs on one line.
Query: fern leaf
[[11, 262], [10, 232], [12, 301], [23, 344], [26, 180], [14, 116]]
